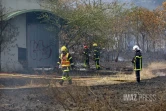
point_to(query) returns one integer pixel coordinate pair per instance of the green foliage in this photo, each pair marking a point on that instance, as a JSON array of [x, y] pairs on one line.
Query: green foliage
[[87, 21], [109, 25]]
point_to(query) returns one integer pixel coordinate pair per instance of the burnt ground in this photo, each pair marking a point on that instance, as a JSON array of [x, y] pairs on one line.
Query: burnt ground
[[42, 93]]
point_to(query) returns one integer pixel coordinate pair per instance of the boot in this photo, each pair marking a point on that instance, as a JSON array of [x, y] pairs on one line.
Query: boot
[[70, 81], [138, 80], [61, 82], [98, 68]]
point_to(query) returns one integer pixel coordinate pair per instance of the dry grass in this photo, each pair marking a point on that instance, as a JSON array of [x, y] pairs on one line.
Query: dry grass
[[155, 66], [146, 73], [105, 98], [106, 93]]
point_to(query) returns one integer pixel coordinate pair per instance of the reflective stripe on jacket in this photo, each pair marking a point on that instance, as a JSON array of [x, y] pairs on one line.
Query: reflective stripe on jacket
[[65, 62], [137, 63], [96, 53]]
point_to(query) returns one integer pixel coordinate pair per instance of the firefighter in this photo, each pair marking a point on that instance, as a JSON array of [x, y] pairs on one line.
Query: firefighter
[[137, 61], [86, 56], [66, 62], [96, 56]]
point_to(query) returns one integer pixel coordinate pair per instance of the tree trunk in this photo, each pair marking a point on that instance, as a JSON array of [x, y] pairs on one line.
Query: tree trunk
[[0, 58], [143, 42], [147, 46], [154, 48]]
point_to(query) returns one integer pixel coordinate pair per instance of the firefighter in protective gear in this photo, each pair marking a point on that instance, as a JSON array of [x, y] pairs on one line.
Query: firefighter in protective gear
[[137, 61], [86, 56], [96, 56], [66, 62]]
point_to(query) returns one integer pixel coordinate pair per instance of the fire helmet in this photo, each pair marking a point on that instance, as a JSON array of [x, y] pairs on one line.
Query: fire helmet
[[63, 49], [136, 47], [94, 44], [85, 47]]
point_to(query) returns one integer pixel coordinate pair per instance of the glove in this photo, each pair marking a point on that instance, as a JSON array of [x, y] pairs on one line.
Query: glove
[[133, 60]]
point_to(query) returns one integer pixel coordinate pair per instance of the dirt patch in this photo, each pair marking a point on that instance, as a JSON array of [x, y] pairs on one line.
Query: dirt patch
[[87, 98], [117, 92]]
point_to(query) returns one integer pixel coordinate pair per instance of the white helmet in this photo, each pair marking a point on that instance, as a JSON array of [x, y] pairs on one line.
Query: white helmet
[[136, 47]]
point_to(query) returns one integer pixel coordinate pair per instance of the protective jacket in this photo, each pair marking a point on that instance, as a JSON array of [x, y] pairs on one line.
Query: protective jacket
[[86, 52], [96, 53], [65, 60], [137, 60]]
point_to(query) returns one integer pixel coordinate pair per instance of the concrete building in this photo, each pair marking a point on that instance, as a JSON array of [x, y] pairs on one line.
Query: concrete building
[[35, 46]]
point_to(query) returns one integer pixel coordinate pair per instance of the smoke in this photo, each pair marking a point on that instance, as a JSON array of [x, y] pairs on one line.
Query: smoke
[[149, 4]]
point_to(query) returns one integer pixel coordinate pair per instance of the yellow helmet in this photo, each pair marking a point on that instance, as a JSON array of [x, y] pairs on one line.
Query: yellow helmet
[[94, 44], [63, 48]]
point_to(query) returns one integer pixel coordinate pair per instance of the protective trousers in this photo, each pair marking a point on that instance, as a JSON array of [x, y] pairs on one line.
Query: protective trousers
[[65, 75], [86, 62], [97, 64], [137, 72]]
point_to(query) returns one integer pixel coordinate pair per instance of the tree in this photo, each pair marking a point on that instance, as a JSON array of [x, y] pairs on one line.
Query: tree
[[110, 25], [8, 31], [147, 26], [87, 21]]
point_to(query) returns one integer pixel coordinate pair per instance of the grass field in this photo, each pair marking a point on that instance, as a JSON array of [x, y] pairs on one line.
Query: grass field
[[119, 92]]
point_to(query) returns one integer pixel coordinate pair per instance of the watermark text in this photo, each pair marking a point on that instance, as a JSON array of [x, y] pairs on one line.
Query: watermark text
[[139, 97]]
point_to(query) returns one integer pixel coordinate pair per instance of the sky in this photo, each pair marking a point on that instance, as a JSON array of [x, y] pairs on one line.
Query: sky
[[150, 4]]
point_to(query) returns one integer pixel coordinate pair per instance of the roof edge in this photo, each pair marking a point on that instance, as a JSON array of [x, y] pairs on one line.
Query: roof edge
[[13, 14]]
